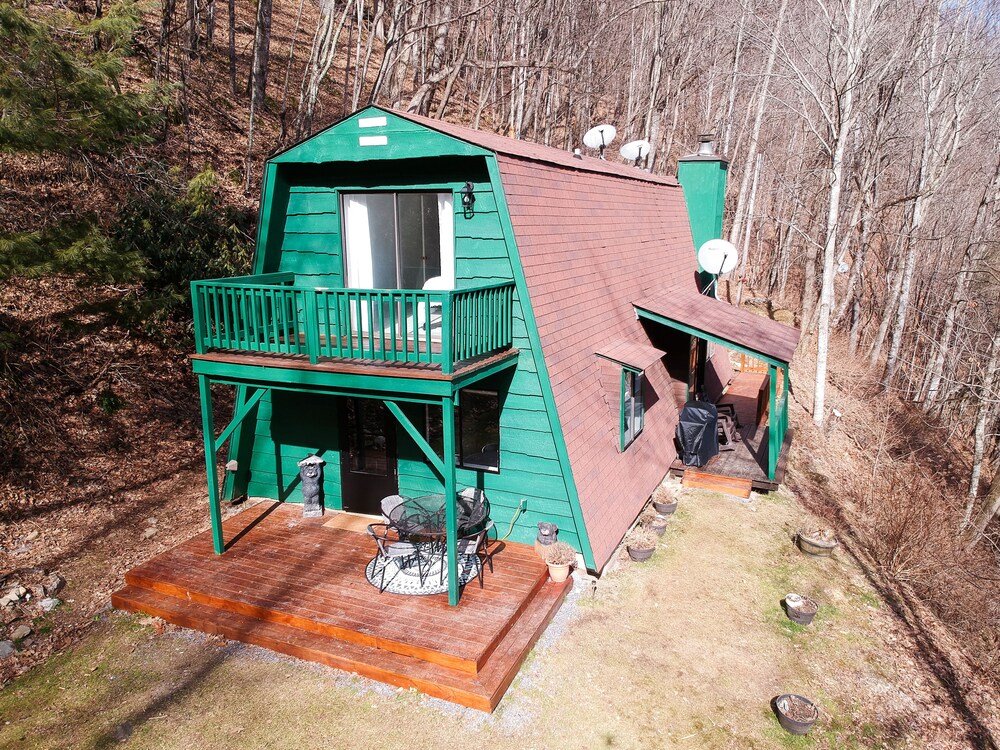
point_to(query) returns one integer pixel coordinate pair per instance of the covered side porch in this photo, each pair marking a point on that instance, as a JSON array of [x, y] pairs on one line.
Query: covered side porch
[[757, 394]]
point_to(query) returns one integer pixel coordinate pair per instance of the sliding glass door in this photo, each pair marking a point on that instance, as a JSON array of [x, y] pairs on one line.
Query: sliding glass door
[[399, 241]]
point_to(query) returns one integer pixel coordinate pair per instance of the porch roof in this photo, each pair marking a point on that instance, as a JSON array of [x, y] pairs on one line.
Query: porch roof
[[630, 353], [714, 319]]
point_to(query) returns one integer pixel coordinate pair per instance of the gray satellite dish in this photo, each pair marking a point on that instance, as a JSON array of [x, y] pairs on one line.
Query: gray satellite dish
[[635, 151], [843, 267], [599, 137], [718, 256]]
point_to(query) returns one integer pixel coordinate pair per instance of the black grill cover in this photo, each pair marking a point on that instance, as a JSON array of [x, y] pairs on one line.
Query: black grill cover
[[698, 433]]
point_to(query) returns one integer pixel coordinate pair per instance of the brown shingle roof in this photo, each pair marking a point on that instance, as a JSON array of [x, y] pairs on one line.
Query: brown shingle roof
[[593, 236], [536, 151], [720, 319], [639, 356]]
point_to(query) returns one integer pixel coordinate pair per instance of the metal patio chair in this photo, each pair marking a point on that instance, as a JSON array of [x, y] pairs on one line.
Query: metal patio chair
[[392, 548], [476, 544], [389, 504]]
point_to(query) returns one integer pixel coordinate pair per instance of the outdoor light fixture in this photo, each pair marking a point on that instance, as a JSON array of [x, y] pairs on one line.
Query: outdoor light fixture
[[468, 200]]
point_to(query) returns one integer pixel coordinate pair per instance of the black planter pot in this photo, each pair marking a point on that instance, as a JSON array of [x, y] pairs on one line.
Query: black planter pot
[[802, 614], [665, 509], [640, 555], [790, 725]]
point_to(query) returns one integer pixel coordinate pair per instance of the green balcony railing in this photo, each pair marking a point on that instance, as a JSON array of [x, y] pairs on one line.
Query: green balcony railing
[[269, 314]]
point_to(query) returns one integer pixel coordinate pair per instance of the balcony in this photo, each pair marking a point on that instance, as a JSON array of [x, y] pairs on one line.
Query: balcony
[[268, 314]]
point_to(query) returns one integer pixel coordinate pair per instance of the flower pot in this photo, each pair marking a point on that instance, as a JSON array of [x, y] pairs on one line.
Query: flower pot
[[796, 714], [558, 573], [640, 555], [658, 525], [665, 509], [800, 609], [815, 546]]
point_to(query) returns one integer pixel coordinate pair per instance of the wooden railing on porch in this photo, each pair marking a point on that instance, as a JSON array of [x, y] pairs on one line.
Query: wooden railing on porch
[[268, 314]]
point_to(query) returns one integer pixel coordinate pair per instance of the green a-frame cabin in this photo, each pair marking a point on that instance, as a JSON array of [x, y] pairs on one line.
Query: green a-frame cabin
[[433, 307]]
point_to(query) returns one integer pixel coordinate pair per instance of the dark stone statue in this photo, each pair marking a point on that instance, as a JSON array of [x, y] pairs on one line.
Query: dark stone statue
[[311, 473]]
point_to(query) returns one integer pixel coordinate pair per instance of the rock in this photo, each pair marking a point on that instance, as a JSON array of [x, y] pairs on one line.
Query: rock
[[50, 603], [20, 633], [6, 649], [54, 584], [21, 551], [13, 596], [32, 536], [151, 521], [149, 533]]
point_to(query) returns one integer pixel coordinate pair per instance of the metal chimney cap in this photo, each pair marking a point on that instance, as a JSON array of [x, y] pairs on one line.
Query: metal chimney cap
[[706, 144]]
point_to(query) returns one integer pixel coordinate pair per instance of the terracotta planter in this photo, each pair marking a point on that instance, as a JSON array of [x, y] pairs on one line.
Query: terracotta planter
[[817, 547], [640, 555], [800, 609], [558, 573], [796, 714]]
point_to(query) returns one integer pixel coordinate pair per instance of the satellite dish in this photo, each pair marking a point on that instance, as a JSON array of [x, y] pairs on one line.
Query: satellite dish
[[718, 256], [843, 267], [635, 151], [599, 137]]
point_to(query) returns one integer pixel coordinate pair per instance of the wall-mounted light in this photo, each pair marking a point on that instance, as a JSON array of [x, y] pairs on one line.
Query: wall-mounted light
[[468, 200]]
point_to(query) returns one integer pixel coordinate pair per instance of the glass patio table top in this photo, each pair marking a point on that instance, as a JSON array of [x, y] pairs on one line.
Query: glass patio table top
[[427, 515]]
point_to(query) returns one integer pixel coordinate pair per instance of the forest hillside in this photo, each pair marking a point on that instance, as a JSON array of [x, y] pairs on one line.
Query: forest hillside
[[863, 196]]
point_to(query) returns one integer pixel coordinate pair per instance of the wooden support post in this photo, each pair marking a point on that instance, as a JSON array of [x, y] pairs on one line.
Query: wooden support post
[[417, 438], [773, 425], [447, 333], [450, 492], [208, 427]]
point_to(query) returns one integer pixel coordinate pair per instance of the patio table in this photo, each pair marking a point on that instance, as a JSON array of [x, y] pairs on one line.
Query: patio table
[[426, 516]]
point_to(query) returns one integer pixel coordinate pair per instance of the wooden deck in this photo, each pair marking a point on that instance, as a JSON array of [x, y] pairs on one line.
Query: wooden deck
[[298, 587], [749, 461]]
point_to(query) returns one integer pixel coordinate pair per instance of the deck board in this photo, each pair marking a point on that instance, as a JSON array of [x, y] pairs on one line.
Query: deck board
[[296, 573]]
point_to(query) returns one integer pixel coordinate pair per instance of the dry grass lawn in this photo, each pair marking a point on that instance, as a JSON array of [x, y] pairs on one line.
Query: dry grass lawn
[[685, 651]]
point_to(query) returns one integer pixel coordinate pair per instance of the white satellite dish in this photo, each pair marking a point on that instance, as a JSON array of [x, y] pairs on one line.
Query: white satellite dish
[[635, 151], [718, 256], [843, 267], [599, 137]]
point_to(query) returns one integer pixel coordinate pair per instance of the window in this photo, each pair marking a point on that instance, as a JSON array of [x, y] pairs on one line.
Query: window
[[632, 413], [399, 240], [477, 430]]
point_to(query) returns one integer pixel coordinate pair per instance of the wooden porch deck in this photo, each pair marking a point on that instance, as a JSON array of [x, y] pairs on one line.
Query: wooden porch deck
[[748, 462], [295, 586]]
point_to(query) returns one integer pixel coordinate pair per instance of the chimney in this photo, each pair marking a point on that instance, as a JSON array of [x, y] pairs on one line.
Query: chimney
[[703, 178]]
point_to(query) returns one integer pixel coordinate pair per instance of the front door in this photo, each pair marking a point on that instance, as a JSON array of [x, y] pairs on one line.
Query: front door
[[368, 469]]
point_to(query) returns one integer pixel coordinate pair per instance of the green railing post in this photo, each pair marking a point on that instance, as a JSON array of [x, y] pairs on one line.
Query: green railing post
[[311, 313], [447, 332], [200, 322]]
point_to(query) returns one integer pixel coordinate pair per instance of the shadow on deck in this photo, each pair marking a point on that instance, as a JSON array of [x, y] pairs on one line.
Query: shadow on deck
[[296, 586]]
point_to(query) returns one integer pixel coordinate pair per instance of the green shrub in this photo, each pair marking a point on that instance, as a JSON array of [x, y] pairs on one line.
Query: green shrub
[[183, 233]]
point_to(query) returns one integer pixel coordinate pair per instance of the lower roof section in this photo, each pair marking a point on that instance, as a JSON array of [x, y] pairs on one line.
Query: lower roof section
[[716, 320]]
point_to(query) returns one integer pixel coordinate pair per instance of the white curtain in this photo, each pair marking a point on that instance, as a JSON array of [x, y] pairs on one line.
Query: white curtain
[[446, 221], [358, 242]]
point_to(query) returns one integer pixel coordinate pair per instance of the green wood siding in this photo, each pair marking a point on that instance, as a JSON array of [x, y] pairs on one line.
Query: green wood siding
[[288, 427]]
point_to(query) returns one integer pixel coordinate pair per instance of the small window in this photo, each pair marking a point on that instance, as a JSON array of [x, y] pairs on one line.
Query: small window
[[477, 430], [632, 413]]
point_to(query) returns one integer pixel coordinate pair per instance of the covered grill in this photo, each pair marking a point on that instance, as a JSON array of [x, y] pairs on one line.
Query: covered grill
[[697, 433]]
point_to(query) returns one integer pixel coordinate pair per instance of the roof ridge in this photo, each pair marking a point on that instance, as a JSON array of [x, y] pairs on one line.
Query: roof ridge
[[533, 151]]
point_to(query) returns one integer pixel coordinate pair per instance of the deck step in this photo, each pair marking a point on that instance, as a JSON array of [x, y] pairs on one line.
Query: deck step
[[245, 602], [726, 485], [481, 691]]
